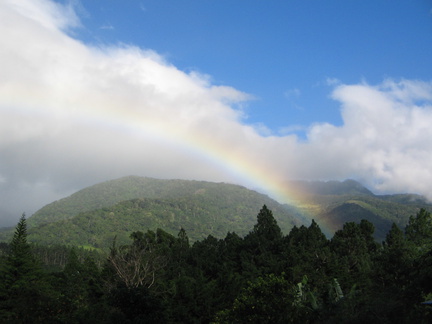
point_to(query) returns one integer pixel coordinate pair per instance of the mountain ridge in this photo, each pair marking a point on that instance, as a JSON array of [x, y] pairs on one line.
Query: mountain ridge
[[110, 192], [334, 203], [332, 187], [330, 203], [233, 206]]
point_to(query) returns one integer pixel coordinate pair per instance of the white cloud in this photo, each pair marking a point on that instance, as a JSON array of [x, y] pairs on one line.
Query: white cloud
[[385, 134], [291, 129], [72, 115], [332, 81], [142, 7], [262, 129], [48, 14], [107, 27], [292, 93]]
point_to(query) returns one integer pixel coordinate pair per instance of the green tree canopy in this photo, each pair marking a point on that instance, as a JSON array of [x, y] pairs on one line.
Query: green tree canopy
[[25, 294], [419, 229], [266, 226]]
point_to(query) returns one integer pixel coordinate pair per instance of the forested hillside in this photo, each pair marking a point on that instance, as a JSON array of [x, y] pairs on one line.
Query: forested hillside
[[201, 214], [263, 277], [111, 192], [93, 216], [334, 203]]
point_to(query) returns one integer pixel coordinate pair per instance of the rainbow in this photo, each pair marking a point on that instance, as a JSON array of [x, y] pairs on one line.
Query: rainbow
[[101, 110], [249, 174], [243, 170], [72, 68]]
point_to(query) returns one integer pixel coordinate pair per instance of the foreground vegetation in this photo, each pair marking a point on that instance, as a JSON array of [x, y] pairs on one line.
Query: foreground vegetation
[[263, 277]]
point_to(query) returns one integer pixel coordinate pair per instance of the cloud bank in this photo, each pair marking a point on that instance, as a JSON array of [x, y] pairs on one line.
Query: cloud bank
[[73, 114]]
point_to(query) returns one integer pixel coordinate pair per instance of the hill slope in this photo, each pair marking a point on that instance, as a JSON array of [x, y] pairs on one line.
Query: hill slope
[[335, 203], [199, 215], [109, 193], [94, 215]]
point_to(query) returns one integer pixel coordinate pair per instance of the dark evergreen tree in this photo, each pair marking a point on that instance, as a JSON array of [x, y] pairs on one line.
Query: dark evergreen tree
[[392, 276], [270, 299], [419, 229], [264, 277], [396, 258], [262, 246], [353, 250], [306, 252], [266, 227], [135, 305], [26, 295], [183, 240], [81, 291]]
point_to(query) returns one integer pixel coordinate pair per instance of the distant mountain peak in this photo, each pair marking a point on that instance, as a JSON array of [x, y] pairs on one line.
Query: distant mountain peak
[[347, 187]]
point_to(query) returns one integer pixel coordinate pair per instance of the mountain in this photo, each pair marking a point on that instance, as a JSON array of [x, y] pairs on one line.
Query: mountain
[[109, 193], [347, 187], [334, 203], [95, 215]]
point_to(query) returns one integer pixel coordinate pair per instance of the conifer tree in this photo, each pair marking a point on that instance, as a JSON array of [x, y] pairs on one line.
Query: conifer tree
[[354, 248], [262, 245], [419, 229], [306, 252], [266, 227], [26, 295]]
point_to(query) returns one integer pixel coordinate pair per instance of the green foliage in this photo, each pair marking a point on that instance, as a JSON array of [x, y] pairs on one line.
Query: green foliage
[[263, 277], [306, 250], [213, 208], [266, 227], [140, 263], [112, 192], [271, 299], [81, 287], [135, 305], [354, 211], [396, 259], [419, 229], [336, 203], [200, 215], [25, 293], [354, 250]]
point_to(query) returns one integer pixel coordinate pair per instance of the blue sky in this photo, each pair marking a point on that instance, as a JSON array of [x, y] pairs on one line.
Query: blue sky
[[248, 92], [282, 52]]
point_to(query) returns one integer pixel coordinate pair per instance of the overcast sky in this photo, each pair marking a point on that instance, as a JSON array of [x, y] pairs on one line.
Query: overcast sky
[[249, 92]]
